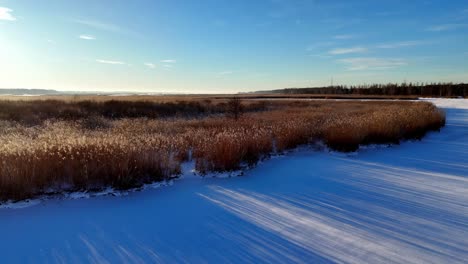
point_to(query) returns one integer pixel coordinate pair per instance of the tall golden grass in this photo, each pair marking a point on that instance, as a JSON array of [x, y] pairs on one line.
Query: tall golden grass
[[88, 154]]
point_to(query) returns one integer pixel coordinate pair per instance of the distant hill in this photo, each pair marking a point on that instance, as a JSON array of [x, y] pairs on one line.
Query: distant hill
[[22, 91]]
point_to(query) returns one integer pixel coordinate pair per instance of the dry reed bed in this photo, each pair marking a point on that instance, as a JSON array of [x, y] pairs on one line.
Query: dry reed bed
[[124, 153], [35, 112]]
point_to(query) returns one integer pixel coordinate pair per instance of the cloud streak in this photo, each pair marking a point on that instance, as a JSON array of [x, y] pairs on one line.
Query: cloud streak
[[150, 65], [5, 14], [447, 27], [401, 44], [169, 61], [111, 62], [340, 51], [99, 25], [344, 37], [369, 63], [87, 37]]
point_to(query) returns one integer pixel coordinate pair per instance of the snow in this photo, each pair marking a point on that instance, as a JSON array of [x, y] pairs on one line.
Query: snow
[[398, 204], [448, 103]]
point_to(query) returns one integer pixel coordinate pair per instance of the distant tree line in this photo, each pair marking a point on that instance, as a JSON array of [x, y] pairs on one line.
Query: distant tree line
[[391, 89]]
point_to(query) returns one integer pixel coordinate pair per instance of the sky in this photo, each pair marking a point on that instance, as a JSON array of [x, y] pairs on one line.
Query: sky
[[225, 46]]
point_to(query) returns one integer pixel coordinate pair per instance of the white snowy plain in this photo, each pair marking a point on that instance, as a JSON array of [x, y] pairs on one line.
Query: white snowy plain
[[406, 203]]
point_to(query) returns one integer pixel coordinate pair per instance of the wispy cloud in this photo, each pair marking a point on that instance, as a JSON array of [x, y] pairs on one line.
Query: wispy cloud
[[5, 14], [357, 64], [447, 27], [99, 25], [87, 37], [401, 44], [321, 56], [150, 65], [340, 51], [169, 61], [344, 37], [111, 62]]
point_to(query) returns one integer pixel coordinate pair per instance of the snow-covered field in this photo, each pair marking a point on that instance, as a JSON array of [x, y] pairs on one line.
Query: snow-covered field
[[402, 204]]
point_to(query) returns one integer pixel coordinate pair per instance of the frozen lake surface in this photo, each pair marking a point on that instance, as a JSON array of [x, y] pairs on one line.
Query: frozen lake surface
[[398, 204]]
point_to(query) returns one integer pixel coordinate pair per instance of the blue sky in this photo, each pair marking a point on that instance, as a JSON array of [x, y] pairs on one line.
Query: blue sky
[[222, 46]]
